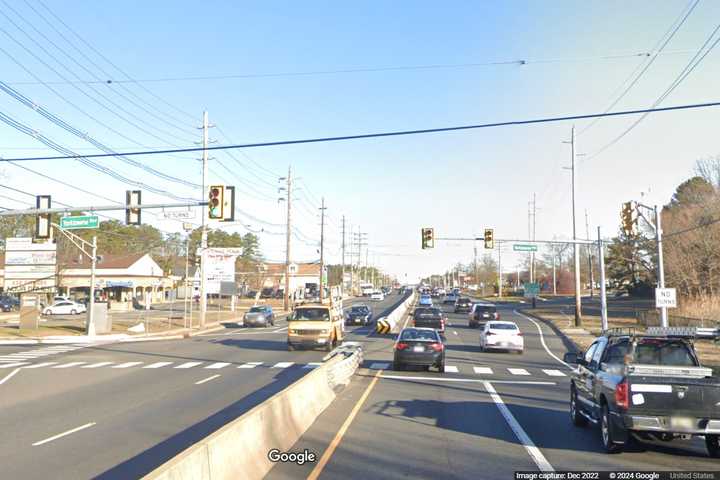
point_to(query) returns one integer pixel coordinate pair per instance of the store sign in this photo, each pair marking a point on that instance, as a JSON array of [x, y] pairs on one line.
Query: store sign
[[29, 266]]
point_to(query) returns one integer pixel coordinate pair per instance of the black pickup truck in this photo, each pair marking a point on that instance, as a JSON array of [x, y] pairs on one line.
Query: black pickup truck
[[646, 386]]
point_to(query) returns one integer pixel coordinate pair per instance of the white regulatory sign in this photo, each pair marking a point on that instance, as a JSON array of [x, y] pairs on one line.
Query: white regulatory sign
[[665, 297]]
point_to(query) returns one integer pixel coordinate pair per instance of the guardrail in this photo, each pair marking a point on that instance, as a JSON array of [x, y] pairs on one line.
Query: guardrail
[[389, 324], [240, 449]]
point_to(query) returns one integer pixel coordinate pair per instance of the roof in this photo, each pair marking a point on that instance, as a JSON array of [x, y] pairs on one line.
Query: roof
[[107, 261]]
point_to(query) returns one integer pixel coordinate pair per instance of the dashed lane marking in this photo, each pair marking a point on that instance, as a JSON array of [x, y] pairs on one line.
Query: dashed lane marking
[[518, 371], [217, 365], [554, 373], [483, 370], [250, 365], [158, 365]]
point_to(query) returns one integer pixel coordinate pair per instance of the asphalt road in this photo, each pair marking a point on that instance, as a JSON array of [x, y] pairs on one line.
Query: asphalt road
[[127, 408], [497, 414]]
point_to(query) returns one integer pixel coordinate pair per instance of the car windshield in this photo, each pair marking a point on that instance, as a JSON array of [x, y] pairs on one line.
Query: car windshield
[[427, 312], [359, 309], [663, 352], [502, 326], [257, 309], [422, 335], [319, 314], [481, 308]]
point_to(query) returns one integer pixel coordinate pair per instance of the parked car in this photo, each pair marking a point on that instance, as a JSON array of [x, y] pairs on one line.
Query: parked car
[[6, 306], [425, 300], [377, 295], [259, 315], [450, 298], [279, 294], [463, 304], [251, 294], [266, 293], [481, 313], [502, 336], [358, 315], [647, 386], [65, 308], [419, 346], [429, 317]]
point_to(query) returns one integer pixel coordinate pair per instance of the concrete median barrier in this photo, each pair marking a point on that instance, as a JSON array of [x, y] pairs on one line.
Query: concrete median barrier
[[393, 322], [240, 449]]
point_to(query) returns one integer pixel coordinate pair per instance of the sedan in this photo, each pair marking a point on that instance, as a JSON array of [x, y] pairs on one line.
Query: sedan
[[419, 346], [358, 314], [259, 315], [425, 301], [501, 336], [65, 308], [377, 295], [481, 313]]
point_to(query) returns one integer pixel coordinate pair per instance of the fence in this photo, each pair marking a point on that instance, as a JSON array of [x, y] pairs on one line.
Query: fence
[[651, 318]]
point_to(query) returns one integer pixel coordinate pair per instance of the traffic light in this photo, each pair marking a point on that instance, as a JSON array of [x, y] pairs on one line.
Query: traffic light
[[132, 215], [229, 204], [628, 222], [42, 221], [428, 238], [216, 205], [489, 240]]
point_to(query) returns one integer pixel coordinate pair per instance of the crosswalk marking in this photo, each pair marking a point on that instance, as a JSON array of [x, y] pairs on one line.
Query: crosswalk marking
[[379, 365], [16, 364], [97, 365], [554, 373], [451, 369], [39, 365], [126, 365], [189, 365], [250, 365], [218, 365], [483, 370], [518, 371], [283, 364], [68, 365], [157, 365]]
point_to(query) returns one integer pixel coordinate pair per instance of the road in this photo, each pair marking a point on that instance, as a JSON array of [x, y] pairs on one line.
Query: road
[[489, 416], [126, 408]]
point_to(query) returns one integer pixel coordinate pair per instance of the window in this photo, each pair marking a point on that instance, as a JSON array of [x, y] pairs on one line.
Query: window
[[590, 352], [502, 326], [311, 314], [598, 352], [425, 335], [615, 354], [663, 352]]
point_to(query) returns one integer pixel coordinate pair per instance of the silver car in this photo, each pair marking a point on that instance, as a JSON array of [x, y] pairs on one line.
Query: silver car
[[259, 316]]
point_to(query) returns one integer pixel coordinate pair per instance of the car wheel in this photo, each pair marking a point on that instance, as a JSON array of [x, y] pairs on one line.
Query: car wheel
[[441, 367], [520, 352], [73, 312], [48, 312], [398, 366], [577, 419], [329, 345], [606, 435], [712, 443], [291, 347]]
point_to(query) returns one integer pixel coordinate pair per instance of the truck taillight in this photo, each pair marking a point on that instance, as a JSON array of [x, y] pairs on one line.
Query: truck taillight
[[401, 346], [622, 399], [497, 316]]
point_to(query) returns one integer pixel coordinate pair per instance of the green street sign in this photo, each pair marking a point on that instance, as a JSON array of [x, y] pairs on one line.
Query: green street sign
[[532, 289], [524, 247], [79, 222]]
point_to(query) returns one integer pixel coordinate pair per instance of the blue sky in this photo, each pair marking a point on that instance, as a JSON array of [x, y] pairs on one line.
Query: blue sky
[[458, 182]]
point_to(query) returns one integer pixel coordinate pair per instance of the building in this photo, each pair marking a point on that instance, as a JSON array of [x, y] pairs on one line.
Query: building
[[302, 275]]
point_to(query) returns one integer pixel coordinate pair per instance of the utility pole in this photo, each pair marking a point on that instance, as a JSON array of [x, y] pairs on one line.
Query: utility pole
[[603, 296], [554, 257], [531, 233], [342, 269], [93, 265], [534, 273], [322, 247], [499, 274], [660, 267], [203, 239], [286, 303], [475, 266], [576, 246], [589, 254]]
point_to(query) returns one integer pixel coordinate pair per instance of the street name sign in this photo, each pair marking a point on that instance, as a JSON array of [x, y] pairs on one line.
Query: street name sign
[[524, 247], [79, 222], [665, 297]]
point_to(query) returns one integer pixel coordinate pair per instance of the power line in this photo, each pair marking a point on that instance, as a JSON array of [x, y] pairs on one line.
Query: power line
[[520, 62], [383, 134]]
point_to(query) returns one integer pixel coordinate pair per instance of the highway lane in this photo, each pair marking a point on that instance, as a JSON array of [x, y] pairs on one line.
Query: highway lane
[[140, 403], [426, 424]]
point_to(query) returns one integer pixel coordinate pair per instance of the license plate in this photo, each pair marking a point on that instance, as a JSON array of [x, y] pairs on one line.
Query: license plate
[[485, 315], [682, 423], [418, 348]]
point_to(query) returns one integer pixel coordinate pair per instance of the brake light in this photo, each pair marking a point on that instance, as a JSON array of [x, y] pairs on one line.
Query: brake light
[[438, 347], [401, 346], [497, 316], [519, 334], [621, 395]]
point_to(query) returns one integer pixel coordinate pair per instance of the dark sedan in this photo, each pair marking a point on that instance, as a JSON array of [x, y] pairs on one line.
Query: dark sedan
[[421, 347], [463, 304], [358, 315]]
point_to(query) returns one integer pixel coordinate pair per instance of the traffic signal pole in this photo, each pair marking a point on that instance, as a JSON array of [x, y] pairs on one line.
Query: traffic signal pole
[[203, 238]]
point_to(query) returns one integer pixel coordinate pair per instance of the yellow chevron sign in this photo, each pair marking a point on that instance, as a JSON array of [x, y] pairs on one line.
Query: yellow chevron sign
[[383, 326]]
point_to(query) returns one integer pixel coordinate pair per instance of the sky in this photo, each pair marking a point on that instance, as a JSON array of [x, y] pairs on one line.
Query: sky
[[275, 57]]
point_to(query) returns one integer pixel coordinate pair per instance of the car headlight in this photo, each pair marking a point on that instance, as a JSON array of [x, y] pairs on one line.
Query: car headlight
[[292, 330], [324, 331]]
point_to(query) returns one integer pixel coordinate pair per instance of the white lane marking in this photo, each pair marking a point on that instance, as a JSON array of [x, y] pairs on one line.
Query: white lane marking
[[39, 365], [218, 365], [554, 373], [483, 370], [518, 371], [10, 365], [464, 379], [207, 379], [280, 330], [98, 365], [312, 365], [127, 365], [454, 332], [250, 365], [379, 365], [282, 365], [9, 376], [68, 365], [523, 437], [451, 369], [542, 339], [59, 435], [189, 365], [157, 365]]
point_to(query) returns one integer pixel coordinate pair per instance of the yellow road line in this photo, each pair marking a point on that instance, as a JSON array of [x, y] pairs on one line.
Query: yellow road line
[[339, 435]]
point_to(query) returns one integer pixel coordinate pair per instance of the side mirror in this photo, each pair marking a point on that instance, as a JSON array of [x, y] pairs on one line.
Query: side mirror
[[571, 357]]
